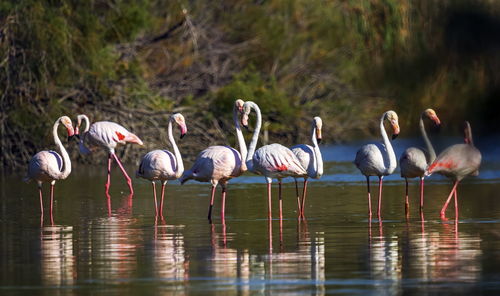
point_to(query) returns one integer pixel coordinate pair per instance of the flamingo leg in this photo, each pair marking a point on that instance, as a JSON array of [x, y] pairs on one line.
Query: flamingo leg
[[129, 181], [280, 199], [108, 182], [407, 204], [299, 211], [304, 193], [154, 195], [211, 203], [443, 210], [223, 206], [456, 205], [52, 202], [369, 198], [380, 180], [269, 206], [421, 194], [163, 184], [41, 201]]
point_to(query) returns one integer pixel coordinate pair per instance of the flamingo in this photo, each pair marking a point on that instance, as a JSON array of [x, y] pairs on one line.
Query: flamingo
[[414, 161], [310, 158], [162, 165], [107, 135], [49, 166], [219, 164], [271, 161], [456, 162], [378, 159]]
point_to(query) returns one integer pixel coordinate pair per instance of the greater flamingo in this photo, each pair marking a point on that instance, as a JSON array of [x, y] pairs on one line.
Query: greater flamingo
[[49, 166], [219, 164], [456, 162], [107, 135], [271, 161], [162, 165], [378, 159], [414, 161], [310, 159]]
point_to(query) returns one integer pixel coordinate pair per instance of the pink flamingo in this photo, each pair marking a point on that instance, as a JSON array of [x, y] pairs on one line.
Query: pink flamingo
[[219, 164], [271, 161], [457, 162], [47, 165], [310, 158], [414, 161], [378, 159], [162, 165], [107, 135]]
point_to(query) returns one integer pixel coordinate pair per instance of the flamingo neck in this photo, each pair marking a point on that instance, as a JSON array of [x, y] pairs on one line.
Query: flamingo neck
[[317, 154], [468, 134], [241, 140], [81, 145], [390, 159], [428, 144], [66, 160], [87, 122], [178, 157], [255, 136]]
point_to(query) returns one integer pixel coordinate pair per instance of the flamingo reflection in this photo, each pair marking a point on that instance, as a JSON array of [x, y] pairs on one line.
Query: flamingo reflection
[[57, 258], [168, 253]]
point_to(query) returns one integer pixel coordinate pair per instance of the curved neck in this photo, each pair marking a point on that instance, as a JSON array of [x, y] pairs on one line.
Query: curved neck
[[255, 136], [178, 158], [468, 134], [428, 144], [317, 154], [87, 123], [390, 163], [66, 160], [241, 139]]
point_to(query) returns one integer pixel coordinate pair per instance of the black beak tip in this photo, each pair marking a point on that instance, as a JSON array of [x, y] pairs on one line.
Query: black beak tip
[[319, 140], [394, 136], [182, 135]]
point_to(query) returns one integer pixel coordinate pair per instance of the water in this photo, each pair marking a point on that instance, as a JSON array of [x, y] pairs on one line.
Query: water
[[118, 249]]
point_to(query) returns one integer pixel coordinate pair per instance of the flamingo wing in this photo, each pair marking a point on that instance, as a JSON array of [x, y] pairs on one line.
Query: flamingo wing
[[108, 134], [457, 161], [369, 160], [413, 163], [45, 166], [277, 160], [307, 158], [158, 165]]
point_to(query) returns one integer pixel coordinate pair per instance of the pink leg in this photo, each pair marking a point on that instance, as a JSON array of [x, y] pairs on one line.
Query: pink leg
[[269, 201], [304, 193], [369, 198], [456, 205], [211, 204], [154, 195], [223, 202], [421, 194], [108, 183], [298, 198], [41, 202], [108, 203], [280, 199], [380, 180], [162, 197], [443, 210], [407, 203], [129, 181], [51, 203]]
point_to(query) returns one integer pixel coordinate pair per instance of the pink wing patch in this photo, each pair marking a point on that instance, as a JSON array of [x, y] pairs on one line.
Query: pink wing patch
[[281, 168], [443, 164]]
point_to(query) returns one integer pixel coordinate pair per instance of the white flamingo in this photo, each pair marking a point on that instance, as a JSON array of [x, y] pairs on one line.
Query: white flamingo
[[414, 161], [310, 158], [106, 135], [457, 162], [49, 166], [162, 165], [219, 164], [378, 159], [271, 161]]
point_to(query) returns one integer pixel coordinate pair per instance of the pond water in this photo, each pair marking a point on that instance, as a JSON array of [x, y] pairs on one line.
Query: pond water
[[118, 248]]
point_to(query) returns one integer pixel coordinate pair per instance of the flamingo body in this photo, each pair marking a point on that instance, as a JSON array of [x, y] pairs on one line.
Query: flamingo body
[[414, 162], [373, 160], [158, 165], [45, 166], [108, 135], [277, 161]]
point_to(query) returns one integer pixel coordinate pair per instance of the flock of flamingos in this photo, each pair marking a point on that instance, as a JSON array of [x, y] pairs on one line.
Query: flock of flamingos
[[219, 164]]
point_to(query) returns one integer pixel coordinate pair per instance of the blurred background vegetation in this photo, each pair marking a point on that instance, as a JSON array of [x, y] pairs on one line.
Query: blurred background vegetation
[[135, 62]]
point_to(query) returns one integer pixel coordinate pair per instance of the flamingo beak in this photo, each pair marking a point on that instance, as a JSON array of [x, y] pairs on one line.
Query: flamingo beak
[[318, 135], [71, 132], [244, 120], [436, 120], [395, 127], [183, 130]]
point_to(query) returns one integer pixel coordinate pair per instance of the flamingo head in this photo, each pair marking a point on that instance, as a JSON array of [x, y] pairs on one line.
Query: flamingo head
[[244, 118], [392, 117], [179, 119], [238, 104], [317, 125], [79, 119], [66, 121], [431, 114]]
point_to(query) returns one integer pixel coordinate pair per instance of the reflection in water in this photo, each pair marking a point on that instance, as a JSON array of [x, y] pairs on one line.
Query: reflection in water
[[302, 268], [56, 256]]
